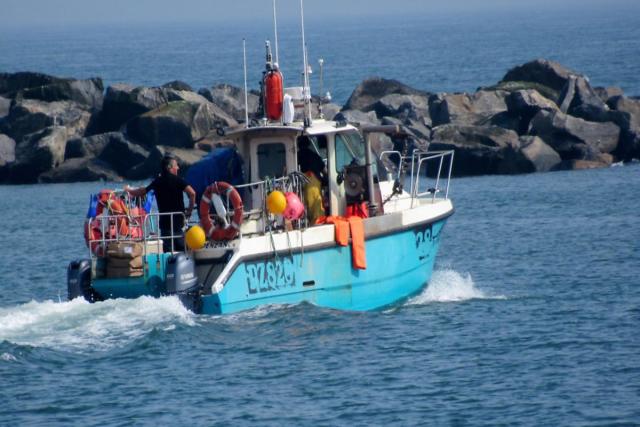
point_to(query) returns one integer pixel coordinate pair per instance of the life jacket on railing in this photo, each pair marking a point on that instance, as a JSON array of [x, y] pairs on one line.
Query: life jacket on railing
[[123, 222]]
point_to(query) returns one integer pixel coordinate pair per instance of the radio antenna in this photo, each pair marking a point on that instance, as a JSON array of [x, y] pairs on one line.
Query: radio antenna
[[275, 31], [246, 97], [306, 89]]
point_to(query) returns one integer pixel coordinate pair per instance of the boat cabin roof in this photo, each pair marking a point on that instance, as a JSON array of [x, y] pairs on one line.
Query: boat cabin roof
[[318, 127]]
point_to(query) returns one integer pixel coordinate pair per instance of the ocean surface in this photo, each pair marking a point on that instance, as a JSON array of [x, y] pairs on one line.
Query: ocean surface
[[435, 52], [532, 317]]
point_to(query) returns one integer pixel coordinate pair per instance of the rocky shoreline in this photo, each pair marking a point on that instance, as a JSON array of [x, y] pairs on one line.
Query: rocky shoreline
[[540, 117]]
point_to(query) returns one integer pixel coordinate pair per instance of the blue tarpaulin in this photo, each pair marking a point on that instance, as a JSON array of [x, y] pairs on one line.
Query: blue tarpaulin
[[222, 164]]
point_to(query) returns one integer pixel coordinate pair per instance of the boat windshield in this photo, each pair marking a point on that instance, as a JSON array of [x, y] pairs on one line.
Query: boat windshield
[[350, 150]]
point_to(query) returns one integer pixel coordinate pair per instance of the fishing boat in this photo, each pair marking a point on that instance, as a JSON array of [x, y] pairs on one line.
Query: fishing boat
[[371, 241]]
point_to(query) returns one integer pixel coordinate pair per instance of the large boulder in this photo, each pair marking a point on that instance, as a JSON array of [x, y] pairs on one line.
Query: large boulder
[[586, 103], [5, 105], [357, 117], [177, 124], [7, 150], [12, 83], [467, 110], [80, 170], [91, 146], [178, 85], [151, 165], [121, 154], [122, 102], [38, 153], [574, 138], [403, 107], [479, 150], [372, 89], [606, 93], [525, 104], [89, 93], [541, 71], [231, 100], [28, 116], [627, 115], [532, 155]]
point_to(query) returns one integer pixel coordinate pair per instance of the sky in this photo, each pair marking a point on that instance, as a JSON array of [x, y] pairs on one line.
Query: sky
[[29, 13]]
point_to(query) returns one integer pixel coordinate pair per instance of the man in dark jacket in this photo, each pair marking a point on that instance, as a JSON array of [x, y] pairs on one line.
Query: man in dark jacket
[[168, 188]]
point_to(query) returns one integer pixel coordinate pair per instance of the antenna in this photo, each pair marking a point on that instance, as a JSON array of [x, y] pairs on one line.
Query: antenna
[[275, 31], [306, 89], [246, 97], [321, 63]]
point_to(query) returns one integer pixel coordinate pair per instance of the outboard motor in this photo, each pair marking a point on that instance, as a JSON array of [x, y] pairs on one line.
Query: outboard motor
[[79, 281], [181, 280]]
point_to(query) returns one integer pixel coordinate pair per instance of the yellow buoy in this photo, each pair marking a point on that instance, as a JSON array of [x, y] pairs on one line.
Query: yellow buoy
[[195, 237], [276, 202]]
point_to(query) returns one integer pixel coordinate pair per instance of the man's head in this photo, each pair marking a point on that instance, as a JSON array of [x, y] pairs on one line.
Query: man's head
[[169, 165]]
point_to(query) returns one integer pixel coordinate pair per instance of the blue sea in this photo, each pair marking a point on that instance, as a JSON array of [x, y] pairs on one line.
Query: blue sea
[[532, 316]]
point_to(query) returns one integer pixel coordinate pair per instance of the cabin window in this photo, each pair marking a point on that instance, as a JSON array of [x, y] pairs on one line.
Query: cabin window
[[350, 150], [272, 160]]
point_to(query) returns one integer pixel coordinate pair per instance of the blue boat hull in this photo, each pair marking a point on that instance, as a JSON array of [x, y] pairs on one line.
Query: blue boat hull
[[398, 266]]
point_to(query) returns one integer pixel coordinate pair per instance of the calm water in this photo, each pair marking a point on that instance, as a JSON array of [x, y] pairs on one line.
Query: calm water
[[531, 318], [433, 52]]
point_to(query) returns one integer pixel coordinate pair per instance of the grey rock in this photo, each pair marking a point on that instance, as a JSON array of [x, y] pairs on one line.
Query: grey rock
[[532, 155], [479, 150], [177, 124], [38, 153], [541, 71], [576, 164], [28, 116], [567, 94], [586, 103], [122, 155], [12, 83], [572, 137], [178, 85], [525, 104], [5, 104], [375, 88], [357, 117], [80, 170], [151, 165], [231, 100], [7, 150], [122, 102], [91, 146], [466, 110], [606, 93], [627, 115], [88, 92], [404, 107]]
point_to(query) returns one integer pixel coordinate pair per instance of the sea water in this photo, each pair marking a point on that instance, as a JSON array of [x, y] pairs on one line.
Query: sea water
[[531, 317]]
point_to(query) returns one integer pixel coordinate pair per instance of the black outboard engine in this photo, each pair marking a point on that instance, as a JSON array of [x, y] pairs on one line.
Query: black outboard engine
[[181, 280], [79, 281]]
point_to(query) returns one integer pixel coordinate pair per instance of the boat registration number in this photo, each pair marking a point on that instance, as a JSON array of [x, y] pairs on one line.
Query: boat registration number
[[269, 276]]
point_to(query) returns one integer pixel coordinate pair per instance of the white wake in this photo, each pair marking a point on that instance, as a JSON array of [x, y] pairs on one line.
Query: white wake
[[79, 326], [448, 286]]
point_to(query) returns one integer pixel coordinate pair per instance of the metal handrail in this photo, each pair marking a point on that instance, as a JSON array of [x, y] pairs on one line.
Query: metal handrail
[[149, 225]]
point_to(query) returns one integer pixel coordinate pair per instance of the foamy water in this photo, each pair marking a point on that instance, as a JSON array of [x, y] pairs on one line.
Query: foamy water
[[449, 286], [79, 326]]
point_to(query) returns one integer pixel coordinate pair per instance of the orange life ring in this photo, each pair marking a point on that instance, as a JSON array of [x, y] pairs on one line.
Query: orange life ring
[[218, 232]]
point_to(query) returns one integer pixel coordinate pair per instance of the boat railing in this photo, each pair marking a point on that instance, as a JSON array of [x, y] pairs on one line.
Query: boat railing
[[143, 229], [266, 221], [422, 181]]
